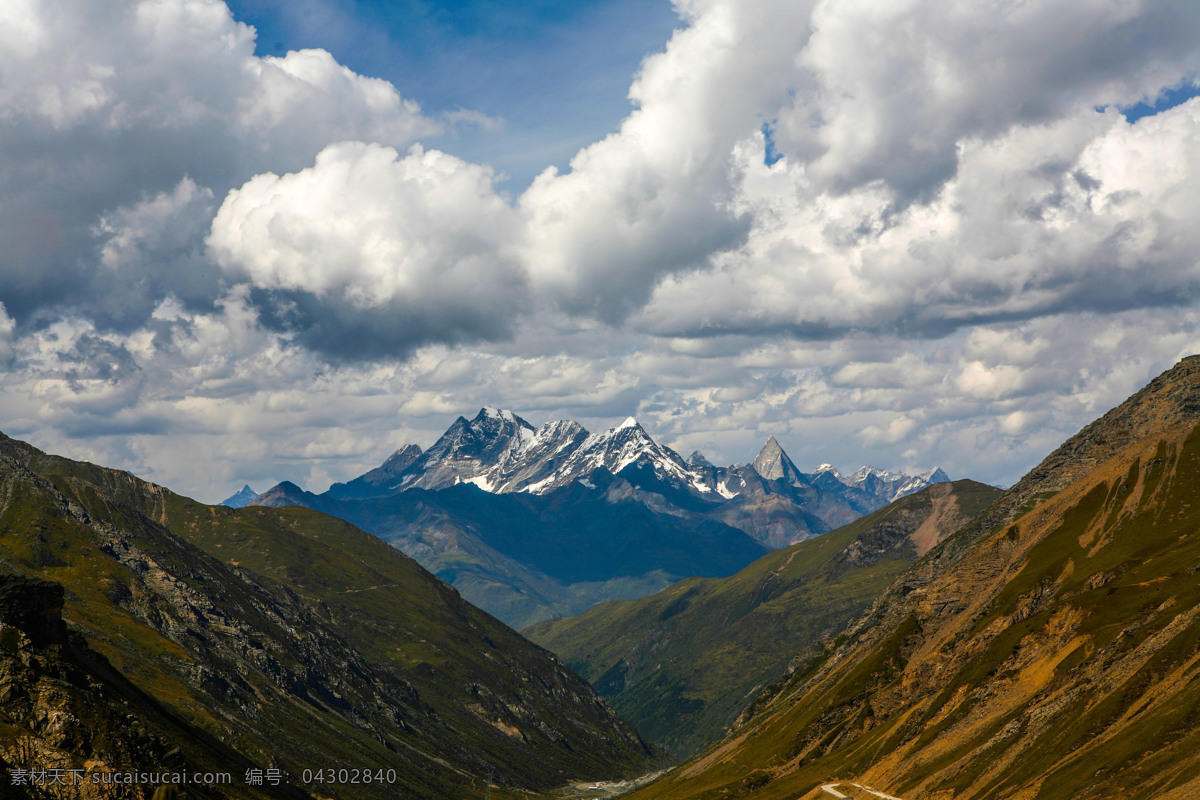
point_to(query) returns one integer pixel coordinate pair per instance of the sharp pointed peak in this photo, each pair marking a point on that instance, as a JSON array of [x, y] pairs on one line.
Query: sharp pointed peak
[[629, 422], [773, 462], [771, 446]]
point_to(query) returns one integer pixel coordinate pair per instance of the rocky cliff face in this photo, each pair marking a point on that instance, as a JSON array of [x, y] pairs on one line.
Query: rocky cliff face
[[1047, 650], [71, 722]]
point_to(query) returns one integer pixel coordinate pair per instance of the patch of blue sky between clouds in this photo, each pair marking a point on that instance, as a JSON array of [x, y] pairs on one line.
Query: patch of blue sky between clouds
[[557, 74], [1165, 101], [771, 153]]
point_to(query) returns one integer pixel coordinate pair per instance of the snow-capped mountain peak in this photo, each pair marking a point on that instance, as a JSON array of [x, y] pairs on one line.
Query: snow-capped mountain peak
[[499, 452], [893, 485], [499, 413], [867, 471], [828, 468], [470, 449], [935, 475], [614, 450]]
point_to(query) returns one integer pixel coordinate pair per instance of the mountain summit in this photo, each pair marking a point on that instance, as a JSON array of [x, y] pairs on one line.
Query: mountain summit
[[773, 464], [243, 497]]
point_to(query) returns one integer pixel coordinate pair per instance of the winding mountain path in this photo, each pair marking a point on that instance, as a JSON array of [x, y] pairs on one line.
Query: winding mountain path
[[831, 788]]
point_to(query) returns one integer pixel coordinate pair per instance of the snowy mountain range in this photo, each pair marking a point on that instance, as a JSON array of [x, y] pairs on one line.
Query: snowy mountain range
[[500, 452]]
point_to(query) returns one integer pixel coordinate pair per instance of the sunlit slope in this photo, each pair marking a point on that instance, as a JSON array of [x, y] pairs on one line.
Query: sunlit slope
[[299, 640], [681, 664], [1052, 652]]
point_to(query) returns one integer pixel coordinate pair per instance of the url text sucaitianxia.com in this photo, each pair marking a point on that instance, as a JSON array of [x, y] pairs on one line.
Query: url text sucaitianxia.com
[[79, 777]]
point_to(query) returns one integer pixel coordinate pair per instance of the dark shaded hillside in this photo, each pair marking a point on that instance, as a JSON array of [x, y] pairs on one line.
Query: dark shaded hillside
[[681, 664], [1050, 650], [564, 551], [299, 641]]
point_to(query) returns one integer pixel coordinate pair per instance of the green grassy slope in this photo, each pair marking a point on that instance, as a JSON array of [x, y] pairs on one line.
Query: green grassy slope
[[681, 664], [301, 641], [1053, 655]]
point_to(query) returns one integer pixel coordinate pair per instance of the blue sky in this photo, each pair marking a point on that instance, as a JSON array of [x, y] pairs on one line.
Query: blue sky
[[1168, 99], [556, 73]]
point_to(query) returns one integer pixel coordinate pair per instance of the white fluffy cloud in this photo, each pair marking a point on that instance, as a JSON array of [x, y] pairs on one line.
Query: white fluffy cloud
[[1091, 212], [899, 86], [421, 238], [104, 107], [653, 199], [942, 167]]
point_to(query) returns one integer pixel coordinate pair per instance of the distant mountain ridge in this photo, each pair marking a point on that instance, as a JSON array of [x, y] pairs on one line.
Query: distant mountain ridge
[[493, 495]]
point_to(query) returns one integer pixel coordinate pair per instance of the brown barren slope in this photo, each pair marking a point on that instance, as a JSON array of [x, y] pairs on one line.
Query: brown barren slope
[[682, 664], [1049, 650]]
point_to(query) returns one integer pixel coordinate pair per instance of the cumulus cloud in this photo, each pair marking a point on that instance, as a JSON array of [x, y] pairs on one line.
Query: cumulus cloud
[[1087, 213], [653, 199], [901, 85], [421, 242], [109, 108]]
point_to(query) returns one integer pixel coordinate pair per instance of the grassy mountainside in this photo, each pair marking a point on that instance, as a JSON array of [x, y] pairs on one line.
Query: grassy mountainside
[[683, 663], [1048, 651], [299, 641]]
